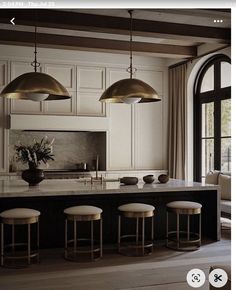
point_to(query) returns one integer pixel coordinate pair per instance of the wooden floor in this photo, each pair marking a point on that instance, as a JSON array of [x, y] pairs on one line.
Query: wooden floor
[[163, 270]]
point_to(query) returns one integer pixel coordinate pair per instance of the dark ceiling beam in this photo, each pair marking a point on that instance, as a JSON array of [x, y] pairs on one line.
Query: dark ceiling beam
[[116, 25], [74, 42]]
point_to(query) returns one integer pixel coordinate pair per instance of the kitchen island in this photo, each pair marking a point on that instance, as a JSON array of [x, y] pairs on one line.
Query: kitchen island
[[51, 197]]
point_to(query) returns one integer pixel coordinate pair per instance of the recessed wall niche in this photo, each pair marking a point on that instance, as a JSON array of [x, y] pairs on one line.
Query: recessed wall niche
[[69, 148]]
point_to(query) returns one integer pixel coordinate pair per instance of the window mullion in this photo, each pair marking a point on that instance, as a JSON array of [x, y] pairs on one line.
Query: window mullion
[[217, 134]]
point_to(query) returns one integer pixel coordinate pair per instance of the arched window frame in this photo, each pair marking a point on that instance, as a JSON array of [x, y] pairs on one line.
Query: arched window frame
[[216, 95]]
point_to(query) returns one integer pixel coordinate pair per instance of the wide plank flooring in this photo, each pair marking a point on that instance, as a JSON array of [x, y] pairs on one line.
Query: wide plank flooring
[[163, 270]]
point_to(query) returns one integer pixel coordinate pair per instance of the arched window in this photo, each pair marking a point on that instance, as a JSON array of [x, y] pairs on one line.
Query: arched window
[[212, 117]]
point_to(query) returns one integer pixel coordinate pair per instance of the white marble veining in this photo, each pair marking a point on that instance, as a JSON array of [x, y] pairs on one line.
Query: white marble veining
[[10, 187]]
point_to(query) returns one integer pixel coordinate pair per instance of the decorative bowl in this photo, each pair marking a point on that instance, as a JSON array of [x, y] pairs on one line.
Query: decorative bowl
[[163, 178], [148, 178], [129, 180]]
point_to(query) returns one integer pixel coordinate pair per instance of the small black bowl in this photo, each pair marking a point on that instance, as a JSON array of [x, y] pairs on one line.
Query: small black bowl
[[129, 180], [148, 178], [163, 178]]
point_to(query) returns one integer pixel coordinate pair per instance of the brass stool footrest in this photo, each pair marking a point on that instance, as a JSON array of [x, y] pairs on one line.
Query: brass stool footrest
[[133, 248], [72, 254], [12, 256], [14, 252], [185, 244]]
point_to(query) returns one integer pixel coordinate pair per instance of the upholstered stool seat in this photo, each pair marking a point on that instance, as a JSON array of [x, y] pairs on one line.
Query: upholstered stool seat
[[19, 216], [137, 208], [82, 213], [192, 239], [139, 211], [83, 210], [19, 213]]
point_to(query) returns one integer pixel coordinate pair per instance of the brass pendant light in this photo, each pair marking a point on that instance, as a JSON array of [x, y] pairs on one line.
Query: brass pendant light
[[131, 90], [35, 86]]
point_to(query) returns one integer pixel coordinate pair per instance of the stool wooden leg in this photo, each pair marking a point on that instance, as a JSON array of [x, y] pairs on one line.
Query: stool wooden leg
[[75, 236], [101, 249], [92, 253], [188, 227], [177, 230], [29, 245], [143, 234], [66, 238], [119, 229], [13, 238], [2, 244]]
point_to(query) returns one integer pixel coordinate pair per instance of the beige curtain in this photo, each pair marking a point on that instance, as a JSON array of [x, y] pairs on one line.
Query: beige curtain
[[177, 121]]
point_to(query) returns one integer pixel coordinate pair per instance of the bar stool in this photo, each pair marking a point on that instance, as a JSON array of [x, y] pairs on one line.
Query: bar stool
[[13, 217], [138, 211], [191, 240], [82, 213]]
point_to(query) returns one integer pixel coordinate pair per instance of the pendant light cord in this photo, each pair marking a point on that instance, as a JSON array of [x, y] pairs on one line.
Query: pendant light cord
[[130, 69], [35, 63]]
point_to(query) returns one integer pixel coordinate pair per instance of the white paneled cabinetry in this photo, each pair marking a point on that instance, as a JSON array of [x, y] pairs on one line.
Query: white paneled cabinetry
[[84, 84], [136, 138], [90, 85], [136, 134]]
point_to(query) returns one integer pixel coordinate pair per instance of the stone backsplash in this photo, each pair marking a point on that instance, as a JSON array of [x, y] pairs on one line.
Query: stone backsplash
[[69, 148]]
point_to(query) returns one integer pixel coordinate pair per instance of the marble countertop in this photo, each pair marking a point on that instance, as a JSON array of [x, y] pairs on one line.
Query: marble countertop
[[18, 188]]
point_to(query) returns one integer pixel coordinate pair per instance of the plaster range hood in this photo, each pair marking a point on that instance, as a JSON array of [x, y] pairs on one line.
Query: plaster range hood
[[58, 123]]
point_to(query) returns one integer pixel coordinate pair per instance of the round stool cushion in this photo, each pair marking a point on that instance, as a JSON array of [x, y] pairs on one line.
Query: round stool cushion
[[136, 207], [83, 210], [20, 213], [184, 205]]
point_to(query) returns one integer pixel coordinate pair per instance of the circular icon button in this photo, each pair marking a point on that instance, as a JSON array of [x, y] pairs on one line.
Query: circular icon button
[[218, 278], [196, 278]]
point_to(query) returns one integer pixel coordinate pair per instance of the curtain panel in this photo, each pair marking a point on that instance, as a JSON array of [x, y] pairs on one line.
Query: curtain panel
[[177, 121]]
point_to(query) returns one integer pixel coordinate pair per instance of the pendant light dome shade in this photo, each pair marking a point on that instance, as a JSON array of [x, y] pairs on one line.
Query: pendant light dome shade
[[130, 91], [35, 86], [134, 90]]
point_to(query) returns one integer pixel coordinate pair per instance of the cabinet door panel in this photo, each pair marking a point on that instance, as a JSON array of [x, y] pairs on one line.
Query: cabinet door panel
[[61, 107], [148, 136], [88, 104], [90, 86], [23, 106], [65, 74], [90, 78], [120, 136]]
